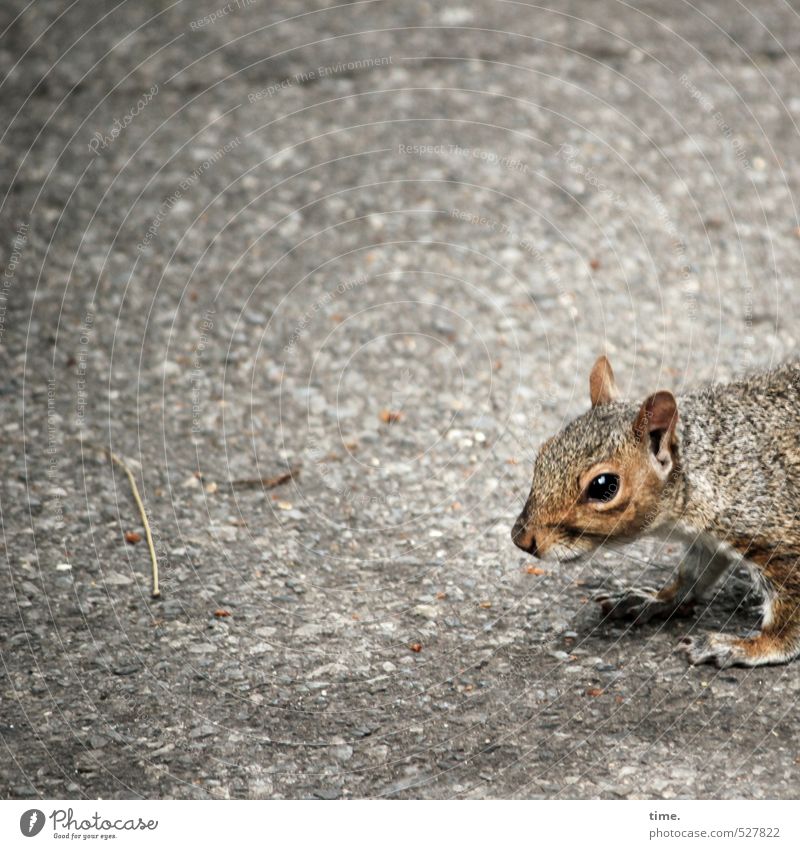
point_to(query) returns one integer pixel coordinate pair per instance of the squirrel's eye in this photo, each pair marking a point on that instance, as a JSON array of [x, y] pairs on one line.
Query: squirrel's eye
[[603, 488]]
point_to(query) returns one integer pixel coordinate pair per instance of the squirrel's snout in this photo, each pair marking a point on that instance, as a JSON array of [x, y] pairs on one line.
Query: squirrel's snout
[[523, 536]]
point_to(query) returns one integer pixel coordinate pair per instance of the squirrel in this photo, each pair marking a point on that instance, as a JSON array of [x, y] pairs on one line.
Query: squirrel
[[718, 469]]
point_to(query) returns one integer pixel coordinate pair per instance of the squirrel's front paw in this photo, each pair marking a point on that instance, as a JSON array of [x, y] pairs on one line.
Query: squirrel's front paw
[[637, 603], [719, 649]]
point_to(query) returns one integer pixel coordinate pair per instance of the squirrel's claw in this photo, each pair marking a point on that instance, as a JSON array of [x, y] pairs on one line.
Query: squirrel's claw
[[639, 604], [720, 649]]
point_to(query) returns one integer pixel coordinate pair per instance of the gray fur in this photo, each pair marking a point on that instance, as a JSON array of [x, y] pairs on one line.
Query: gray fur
[[730, 489]]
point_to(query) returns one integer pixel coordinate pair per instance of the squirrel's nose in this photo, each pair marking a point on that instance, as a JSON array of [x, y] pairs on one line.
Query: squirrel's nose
[[523, 537]]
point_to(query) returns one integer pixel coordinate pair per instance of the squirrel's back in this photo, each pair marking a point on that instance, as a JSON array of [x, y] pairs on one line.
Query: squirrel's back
[[740, 447]]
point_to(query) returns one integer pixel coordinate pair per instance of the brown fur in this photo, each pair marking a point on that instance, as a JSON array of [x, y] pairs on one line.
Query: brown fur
[[721, 467]]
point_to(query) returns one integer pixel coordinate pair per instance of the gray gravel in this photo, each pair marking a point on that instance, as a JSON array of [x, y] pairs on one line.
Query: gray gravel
[[380, 245]]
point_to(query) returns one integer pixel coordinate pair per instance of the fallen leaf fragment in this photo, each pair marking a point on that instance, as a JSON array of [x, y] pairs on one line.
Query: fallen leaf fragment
[[267, 483]]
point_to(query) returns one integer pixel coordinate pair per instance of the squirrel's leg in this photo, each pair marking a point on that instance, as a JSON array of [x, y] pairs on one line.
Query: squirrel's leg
[[699, 570], [778, 641]]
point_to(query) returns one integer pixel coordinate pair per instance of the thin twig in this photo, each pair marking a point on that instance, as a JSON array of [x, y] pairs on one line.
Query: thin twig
[[138, 499], [266, 483]]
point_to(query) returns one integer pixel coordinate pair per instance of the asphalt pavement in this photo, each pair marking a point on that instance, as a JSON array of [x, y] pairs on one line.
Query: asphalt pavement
[[324, 278]]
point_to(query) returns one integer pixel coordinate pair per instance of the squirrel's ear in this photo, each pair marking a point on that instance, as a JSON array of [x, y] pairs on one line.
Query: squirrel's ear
[[602, 386], [655, 426]]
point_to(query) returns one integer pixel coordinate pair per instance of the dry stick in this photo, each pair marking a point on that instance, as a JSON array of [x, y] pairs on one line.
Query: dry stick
[[120, 462]]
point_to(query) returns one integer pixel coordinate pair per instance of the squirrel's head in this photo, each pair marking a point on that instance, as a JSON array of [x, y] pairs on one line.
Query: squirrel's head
[[602, 477]]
